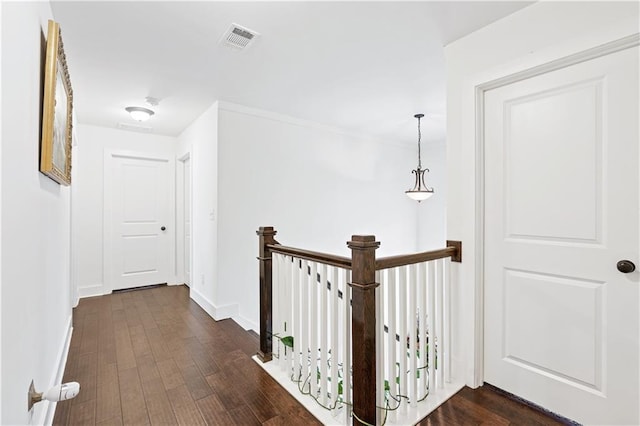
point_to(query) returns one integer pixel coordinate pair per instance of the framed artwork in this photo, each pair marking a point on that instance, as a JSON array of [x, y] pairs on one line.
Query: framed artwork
[[55, 151]]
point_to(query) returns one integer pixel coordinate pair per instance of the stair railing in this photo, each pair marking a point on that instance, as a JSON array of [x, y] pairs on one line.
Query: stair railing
[[356, 333]]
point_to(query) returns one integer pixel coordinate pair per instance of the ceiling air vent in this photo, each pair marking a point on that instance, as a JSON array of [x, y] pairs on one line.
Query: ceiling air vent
[[239, 37]]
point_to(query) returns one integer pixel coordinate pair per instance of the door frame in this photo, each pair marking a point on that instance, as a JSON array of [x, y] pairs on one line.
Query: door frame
[[107, 233], [180, 228], [480, 89]]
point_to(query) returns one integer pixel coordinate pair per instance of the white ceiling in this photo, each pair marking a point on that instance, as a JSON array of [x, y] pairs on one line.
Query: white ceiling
[[366, 67]]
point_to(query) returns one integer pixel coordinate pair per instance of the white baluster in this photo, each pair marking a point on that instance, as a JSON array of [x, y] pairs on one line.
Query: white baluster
[[304, 330], [392, 343], [313, 336], [295, 323], [413, 336], [346, 374], [431, 308], [439, 325], [285, 305], [290, 302], [334, 334], [422, 308], [447, 320], [276, 283], [402, 331], [379, 295], [324, 339]]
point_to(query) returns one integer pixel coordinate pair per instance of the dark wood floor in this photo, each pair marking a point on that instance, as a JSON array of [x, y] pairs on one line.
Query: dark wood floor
[[484, 406], [153, 356]]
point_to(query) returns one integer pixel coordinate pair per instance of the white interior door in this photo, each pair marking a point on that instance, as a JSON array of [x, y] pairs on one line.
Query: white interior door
[[561, 209], [137, 206], [187, 221]]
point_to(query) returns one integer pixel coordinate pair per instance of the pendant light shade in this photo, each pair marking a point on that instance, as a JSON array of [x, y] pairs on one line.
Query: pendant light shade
[[420, 190]]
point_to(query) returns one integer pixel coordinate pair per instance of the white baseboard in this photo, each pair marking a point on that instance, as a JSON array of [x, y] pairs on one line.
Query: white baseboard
[[90, 291], [216, 312], [246, 323], [63, 353], [226, 311], [222, 312]]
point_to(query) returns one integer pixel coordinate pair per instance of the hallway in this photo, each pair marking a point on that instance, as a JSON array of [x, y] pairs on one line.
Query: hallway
[[154, 356]]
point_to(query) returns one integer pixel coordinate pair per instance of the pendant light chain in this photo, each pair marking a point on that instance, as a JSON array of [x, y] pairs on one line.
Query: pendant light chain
[[419, 138]]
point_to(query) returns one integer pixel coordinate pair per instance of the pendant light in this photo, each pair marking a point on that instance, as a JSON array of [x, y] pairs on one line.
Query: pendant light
[[420, 190]]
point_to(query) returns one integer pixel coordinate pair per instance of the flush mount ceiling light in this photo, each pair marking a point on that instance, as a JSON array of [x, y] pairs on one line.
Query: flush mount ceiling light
[[139, 113], [420, 190]]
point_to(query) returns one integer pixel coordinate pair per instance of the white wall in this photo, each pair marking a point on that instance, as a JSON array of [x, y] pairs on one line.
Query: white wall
[[35, 240], [1, 32], [315, 185], [88, 196], [432, 212], [199, 140], [535, 35]]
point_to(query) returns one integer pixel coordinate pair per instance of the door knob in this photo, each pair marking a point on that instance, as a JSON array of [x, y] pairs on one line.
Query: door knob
[[626, 266], [162, 228]]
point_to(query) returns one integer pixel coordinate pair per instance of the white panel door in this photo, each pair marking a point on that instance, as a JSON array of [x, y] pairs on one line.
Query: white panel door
[[561, 209], [187, 221], [139, 194]]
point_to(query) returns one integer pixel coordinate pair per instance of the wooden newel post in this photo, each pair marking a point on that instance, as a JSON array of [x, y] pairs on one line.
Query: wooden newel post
[[363, 327], [266, 236]]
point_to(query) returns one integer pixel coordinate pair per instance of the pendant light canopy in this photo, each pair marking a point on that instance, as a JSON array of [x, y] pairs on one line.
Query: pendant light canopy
[[420, 190]]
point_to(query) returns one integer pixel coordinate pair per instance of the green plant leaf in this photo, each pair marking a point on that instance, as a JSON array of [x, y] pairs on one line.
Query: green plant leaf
[[287, 341]]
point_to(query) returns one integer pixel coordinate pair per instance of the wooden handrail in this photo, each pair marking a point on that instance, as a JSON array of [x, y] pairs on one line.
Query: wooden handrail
[[329, 259], [453, 250]]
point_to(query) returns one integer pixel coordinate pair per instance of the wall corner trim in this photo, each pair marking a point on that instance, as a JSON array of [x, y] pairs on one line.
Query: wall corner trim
[[61, 359], [247, 324], [216, 312]]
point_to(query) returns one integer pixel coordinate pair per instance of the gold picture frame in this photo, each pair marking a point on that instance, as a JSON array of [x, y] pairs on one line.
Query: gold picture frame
[[55, 151]]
